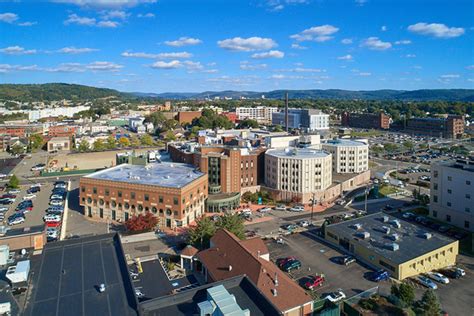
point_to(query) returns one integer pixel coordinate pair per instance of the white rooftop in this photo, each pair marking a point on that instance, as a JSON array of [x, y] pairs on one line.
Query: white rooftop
[[344, 142], [297, 153], [164, 174]]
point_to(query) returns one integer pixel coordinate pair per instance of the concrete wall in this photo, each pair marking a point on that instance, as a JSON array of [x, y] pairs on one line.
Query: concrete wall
[[35, 241]]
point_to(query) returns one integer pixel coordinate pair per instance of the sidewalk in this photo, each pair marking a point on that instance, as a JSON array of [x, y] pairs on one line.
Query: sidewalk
[[138, 237]]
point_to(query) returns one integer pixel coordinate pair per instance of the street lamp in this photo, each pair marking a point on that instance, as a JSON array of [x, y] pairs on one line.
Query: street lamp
[[313, 202], [367, 190]]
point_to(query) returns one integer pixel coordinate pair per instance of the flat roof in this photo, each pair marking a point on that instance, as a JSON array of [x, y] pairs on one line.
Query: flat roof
[[66, 276], [344, 142], [297, 153], [411, 243], [246, 294], [163, 174]]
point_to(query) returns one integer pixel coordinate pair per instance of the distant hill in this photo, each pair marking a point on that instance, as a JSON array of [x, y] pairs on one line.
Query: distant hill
[[402, 95], [54, 92], [59, 91]]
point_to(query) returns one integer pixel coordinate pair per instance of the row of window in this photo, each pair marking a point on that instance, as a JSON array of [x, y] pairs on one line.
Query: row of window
[[431, 258], [448, 218]]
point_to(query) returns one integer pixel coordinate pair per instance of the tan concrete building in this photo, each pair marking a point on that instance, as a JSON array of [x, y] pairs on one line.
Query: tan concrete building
[[298, 172], [348, 156], [174, 192], [452, 193], [59, 144], [401, 248]]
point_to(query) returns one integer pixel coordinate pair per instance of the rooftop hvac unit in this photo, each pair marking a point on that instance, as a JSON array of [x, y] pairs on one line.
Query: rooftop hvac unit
[[363, 235], [393, 246], [4, 253], [426, 235], [385, 219], [356, 226], [396, 223], [386, 230], [394, 237]]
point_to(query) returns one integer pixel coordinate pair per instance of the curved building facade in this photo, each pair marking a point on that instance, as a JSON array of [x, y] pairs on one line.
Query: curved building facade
[[348, 156]]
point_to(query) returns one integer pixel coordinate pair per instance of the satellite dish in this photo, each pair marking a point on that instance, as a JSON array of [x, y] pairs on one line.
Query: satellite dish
[[23, 251]]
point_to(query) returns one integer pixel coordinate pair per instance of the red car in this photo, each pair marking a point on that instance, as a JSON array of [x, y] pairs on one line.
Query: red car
[[53, 224], [314, 281], [8, 196], [282, 261]]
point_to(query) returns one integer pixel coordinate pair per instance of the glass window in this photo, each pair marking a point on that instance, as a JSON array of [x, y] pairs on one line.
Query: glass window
[[107, 192], [132, 195], [119, 193], [147, 197], [160, 199], [94, 190], [175, 201], [83, 189], [154, 209]]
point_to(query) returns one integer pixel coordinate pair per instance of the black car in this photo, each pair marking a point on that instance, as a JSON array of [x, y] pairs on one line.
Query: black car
[[26, 203], [60, 182], [6, 202], [33, 190], [345, 260], [451, 273]]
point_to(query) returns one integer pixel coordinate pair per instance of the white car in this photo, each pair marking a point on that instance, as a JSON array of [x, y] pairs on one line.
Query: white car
[[427, 282], [246, 212], [3, 209], [55, 202], [280, 207], [304, 223], [17, 220], [14, 191], [52, 218], [438, 277], [30, 196], [297, 209], [57, 197], [2, 175], [265, 210], [336, 296], [460, 271], [60, 186]]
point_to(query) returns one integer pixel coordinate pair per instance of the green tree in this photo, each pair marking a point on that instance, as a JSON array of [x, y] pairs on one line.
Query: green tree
[[99, 145], [13, 183], [170, 136], [146, 140], [124, 142], [233, 223], [200, 235], [111, 142], [391, 147], [406, 293], [157, 118], [36, 141], [135, 142], [408, 145], [429, 304], [83, 146], [278, 128], [248, 123], [17, 149]]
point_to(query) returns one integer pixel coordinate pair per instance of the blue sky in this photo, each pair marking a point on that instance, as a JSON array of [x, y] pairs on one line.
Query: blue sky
[[259, 45]]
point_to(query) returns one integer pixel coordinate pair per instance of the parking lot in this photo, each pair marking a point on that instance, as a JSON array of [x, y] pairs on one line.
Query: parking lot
[[317, 258]]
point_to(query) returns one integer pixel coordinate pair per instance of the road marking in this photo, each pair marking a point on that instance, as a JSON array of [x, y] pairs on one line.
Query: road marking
[[65, 214]]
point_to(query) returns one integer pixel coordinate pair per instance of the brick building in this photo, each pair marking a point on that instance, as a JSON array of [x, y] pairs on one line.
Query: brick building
[[176, 193], [451, 126], [61, 131], [366, 120], [187, 116]]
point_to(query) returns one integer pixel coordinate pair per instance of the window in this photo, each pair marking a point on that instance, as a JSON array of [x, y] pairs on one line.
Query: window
[[467, 209], [175, 201], [147, 197], [448, 218], [435, 214], [468, 182], [450, 191], [450, 178], [94, 190], [119, 193], [126, 216], [154, 210], [83, 189], [175, 213], [448, 203], [435, 173], [140, 207], [101, 213], [126, 206], [468, 196], [435, 198], [160, 199], [113, 203], [107, 192], [466, 224], [435, 186], [132, 195]]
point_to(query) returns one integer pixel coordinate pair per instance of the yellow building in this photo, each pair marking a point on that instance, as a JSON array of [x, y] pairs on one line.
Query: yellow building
[[400, 247]]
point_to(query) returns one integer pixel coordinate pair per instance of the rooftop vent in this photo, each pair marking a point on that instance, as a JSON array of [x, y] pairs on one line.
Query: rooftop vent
[[394, 237], [396, 223], [393, 246], [356, 226], [274, 291], [385, 219], [386, 230], [426, 235], [166, 177], [363, 235]]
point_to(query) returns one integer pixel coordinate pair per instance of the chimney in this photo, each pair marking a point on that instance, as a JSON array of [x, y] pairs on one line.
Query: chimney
[[258, 253], [286, 112]]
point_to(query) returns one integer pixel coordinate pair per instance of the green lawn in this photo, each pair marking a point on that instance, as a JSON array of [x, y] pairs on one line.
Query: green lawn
[[385, 190], [368, 133]]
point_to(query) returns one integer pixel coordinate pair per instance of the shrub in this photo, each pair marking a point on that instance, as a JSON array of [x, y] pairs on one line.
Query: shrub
[[141, 223]]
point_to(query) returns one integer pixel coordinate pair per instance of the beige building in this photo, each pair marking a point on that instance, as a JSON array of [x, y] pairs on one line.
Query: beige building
[[262, 114], [297, 171], [348, 156], [452, 193], [401, 248], [59, 144]]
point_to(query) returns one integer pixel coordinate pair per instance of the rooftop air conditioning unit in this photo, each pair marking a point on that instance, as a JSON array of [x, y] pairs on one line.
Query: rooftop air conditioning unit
[[385, 219], [393, 246], [363, 235], [396, 223], [426, 235]]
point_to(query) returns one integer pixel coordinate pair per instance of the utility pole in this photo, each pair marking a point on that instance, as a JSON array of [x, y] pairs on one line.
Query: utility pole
[[366, 194], [313, 202]]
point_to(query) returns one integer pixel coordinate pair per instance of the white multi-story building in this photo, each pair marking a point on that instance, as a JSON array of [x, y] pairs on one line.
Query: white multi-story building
[[297, 170], [284, 141], [348, 156], [452, 193], [307, 119], [262, 114]]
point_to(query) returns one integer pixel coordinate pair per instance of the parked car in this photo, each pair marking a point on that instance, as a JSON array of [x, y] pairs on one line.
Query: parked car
[[438, 277], [16, 220], [14, 191], [345, 260], [8, 196], [56, 202], [7, 201], [314, 281], [52, 218], [297, 209], [280, 207], [427, 282], [292, 265], [290, 227], [33, 190], [3, 209], [61, 186], [304, 223], [38, 167], [443, 229], [336, 296], [57, 197], [30, 196], [282, 261], [53, 224], [380, 275], [265, 210], [408, 215]]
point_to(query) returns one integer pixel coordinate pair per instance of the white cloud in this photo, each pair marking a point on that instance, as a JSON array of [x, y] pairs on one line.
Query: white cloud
[[383, 28], [301, 69], [103, 66], [347, 57], [75, 19], [374, 43], [278, 5], [17, 50], [247, 44], [193, 65], [184, 41], [403, 42], [410, 56], [320, 33], [109, 24], [146, 15], [365, 74], [245, 65], [76, 50], [298, 46], [8, 17], [67, 67], [269, 54], [158, 56], [278, 76], [436, 30], [167, 65], [115, 14], [27, 23], [106, 3], [449, 76], [346, 41]]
